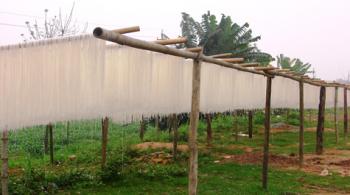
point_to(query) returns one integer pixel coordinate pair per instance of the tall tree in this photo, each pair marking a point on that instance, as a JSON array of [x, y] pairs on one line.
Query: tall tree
[[56, 26], [294, 64], [222, 36]]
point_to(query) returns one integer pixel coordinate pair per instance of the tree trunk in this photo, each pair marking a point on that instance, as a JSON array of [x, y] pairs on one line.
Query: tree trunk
[[105, 125], [250, 124], [320, 122], [301, 127], [209, 130], [192, 139], [5, 167], [266, 132]]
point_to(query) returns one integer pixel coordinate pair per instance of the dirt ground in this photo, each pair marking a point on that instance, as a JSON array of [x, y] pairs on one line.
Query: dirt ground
[[160, 145]]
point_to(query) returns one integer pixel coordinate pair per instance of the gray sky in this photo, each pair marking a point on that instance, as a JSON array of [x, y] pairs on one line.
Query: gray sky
[[316, 31]]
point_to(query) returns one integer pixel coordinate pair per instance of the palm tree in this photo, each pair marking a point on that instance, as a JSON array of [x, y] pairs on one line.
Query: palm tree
[[222, 37], [294, 64]]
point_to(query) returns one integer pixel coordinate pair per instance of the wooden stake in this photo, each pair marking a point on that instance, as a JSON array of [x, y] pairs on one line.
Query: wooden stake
[[5, 166], [67, 132], [50, 127], [336, 115], [320, 122], [175, 137], [301, 126], [235, 117], [157, 125], [346, 114], [192, 140], [105, 124], [267, 132], [46, 140], [142, 129], [209, 129], [250, 124]]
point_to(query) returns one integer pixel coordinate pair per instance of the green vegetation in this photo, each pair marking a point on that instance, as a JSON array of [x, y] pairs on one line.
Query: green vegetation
[[294, 64], [77, 166]]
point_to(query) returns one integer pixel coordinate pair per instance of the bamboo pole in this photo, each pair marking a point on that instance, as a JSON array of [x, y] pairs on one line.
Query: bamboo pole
[[346, 114], [301, 126], [171, 41], [221, 55], [250, 65], [320, 122], [195, 49], [127, 30], [232, 60], [266, 132], [5, 167], [250, 124], [209, 129], [194, 116], [175, 137], [336, 115], [105, 125]]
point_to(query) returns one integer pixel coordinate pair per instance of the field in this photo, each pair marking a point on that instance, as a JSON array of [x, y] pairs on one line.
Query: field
[[228, 166]]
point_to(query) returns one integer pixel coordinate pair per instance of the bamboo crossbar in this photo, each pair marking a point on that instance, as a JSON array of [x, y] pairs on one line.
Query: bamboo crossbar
[[222, 55], [232, 60], [249, 65], [195, 49], [140, 44], [265, 68], [171, 41], [127, 30]]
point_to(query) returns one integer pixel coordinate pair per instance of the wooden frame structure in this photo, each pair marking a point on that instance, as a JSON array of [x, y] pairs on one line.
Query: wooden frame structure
[[197, 56]]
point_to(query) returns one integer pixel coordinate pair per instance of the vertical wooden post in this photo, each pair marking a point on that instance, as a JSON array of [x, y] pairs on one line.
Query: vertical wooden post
[[250, 124], [336, 115], [301, 127], [235, 117], [104, 129], [194, 116], [346, 114], [320, 122], [176, 136], [157, 125], [310, 115], [67, 135], [142, 129], [5, 166], [209, 129], [46, 140], [50, 128], [266, 132]]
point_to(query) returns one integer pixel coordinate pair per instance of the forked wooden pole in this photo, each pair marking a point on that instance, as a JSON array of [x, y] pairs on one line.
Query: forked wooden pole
[[301, 126], [320, 121], [346, 114], [336, 115], [266, 132], [194, 116], [5, 166]]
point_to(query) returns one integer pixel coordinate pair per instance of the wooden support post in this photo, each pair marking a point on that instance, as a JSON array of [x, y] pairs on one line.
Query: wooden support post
[[266, 132], [209, 129], [46, 140], [5, 166], [301, 126], [157, 125], [336, 115], [320, 121], [194, 116], [50, 129], [235, 117], [67, 129], [346, 114], [310, 115], [176, 136], [105, 124], [142, 129], [250, 124]]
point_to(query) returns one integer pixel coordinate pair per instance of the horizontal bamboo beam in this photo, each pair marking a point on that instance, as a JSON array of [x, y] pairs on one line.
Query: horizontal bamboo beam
[[232, 60], [171, 41], [221, 55], [265, 68], [249, 65], [195, 49], [127, 30], [140, 44]]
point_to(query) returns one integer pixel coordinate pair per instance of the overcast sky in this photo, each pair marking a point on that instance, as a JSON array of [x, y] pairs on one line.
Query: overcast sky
[[316, 31]]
